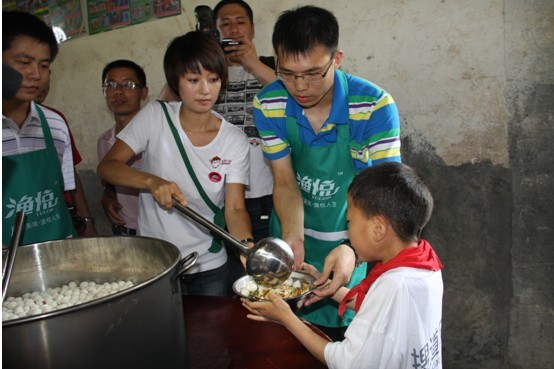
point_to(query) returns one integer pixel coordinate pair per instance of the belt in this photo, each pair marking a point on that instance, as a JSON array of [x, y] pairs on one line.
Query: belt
[[119, 230]]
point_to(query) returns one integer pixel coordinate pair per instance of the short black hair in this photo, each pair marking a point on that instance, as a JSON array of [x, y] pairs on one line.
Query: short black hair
[[396, 192], [240, 3], [299, 30], [189, 52], [15, 23], [123, 63]]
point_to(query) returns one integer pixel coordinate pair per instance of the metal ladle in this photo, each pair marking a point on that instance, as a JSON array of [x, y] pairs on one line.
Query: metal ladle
[[269, 262]]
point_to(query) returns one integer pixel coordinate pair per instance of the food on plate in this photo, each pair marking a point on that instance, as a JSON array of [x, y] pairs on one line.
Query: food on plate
[[39, 302], [289, 289]]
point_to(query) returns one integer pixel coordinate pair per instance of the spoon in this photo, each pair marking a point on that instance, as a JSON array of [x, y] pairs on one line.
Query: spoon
[[269, 262]]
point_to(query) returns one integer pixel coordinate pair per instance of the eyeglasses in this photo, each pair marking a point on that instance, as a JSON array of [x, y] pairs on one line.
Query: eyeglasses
[[312, 77], [127, 85]]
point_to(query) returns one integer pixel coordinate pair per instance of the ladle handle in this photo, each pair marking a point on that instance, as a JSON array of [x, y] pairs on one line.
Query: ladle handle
[[210, 225], [12, 250]]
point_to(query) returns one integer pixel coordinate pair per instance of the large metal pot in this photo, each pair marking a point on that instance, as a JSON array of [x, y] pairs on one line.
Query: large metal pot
[[142, 327]]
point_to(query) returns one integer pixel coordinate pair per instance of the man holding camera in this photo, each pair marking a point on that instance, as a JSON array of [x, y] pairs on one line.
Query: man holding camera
[[234, 20]]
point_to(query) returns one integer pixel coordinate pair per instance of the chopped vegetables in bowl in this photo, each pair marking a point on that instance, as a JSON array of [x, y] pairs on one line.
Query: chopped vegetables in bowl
[[294, 290]]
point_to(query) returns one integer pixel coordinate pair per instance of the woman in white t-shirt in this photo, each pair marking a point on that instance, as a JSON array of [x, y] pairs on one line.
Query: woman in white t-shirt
[[192, 154]]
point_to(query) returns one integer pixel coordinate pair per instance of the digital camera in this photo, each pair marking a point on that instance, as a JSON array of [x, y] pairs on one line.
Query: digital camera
[[228, 42]]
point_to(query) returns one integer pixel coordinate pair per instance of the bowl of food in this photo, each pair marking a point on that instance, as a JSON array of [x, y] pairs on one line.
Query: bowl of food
[[294, 290]]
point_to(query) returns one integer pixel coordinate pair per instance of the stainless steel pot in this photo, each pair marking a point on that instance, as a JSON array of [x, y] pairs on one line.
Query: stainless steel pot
[[142, 327]]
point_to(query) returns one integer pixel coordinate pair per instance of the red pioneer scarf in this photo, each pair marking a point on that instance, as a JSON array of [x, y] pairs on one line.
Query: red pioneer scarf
[[422, 257]]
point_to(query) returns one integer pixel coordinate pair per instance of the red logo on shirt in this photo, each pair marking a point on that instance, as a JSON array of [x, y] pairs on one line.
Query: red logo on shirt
[[214, 177]]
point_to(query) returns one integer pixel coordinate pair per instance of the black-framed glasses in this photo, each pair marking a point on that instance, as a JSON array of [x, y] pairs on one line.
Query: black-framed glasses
[[127, 85], [313, 77]]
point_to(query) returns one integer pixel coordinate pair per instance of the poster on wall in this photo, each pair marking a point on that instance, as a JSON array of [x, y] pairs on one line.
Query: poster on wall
[[64, 16], [106, 15]]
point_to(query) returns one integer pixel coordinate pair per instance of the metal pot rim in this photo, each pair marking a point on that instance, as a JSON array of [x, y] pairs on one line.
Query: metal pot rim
[[100, 300]]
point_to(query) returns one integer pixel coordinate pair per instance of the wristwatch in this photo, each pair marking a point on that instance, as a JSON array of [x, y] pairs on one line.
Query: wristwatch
[[247, 239], [347, 242]]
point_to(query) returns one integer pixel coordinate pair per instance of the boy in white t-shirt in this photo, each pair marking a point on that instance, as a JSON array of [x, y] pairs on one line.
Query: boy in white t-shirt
[[399, 304]]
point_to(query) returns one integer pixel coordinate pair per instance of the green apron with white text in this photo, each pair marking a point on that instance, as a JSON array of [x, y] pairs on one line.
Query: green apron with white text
[[323, 174], [33, 182]]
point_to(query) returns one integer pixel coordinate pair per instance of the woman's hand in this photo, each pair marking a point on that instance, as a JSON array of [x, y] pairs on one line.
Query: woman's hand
[[164, 191]]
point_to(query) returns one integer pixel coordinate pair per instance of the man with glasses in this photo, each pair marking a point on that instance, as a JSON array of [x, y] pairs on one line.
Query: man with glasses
[[124, 87], [320, 127]]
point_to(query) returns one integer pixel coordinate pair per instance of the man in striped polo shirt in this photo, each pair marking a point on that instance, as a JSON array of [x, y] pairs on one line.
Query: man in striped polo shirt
[[320, 127], [37, 164]]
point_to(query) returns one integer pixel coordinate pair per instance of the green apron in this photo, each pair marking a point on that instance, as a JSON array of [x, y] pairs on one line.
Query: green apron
[[323, 174], [33, 182]]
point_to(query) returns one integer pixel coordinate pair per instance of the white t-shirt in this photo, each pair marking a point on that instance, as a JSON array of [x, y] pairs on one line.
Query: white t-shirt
[[235, 104], [398, 325], [224, 160]]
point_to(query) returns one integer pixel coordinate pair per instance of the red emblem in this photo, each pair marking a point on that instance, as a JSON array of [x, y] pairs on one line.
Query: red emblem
[[214, 177]]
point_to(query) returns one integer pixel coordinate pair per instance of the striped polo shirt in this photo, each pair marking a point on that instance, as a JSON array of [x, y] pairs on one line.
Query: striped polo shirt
[[29, 138], [370, 111]]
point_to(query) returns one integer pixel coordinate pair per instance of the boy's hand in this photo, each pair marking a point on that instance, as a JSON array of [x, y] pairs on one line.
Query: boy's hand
[[274, 310]]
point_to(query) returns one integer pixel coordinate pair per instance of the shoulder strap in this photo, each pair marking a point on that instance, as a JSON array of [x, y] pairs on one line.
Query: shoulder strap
[[203, 194], [45, 128]]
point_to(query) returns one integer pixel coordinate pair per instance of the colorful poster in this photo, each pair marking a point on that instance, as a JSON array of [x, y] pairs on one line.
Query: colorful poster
[[64, 16], [106, 15]]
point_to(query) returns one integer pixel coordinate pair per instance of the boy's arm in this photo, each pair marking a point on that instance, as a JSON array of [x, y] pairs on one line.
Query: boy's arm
[[311, 340], [277, 310]]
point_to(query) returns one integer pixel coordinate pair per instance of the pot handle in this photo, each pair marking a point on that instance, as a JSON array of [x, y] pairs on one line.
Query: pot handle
[[186, 263]]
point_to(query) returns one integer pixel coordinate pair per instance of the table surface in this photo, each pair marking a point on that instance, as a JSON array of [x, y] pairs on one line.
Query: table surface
[[219, 336]]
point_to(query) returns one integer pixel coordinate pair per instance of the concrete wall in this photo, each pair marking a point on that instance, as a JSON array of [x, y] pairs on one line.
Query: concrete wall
[[473, 81]]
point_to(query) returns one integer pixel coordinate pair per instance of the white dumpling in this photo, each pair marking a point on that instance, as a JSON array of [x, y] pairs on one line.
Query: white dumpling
[[252, 286]]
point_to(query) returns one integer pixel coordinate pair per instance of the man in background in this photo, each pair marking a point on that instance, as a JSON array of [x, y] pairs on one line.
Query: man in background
[[248, 73], [124, 88]]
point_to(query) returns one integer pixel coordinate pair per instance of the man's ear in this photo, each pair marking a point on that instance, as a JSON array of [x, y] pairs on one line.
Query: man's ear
[[338, 58]]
